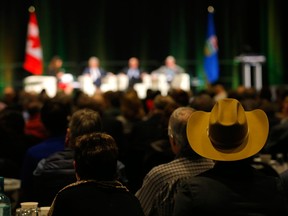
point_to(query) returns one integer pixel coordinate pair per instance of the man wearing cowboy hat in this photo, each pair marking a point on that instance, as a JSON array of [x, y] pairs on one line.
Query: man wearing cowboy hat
[[230, 136]]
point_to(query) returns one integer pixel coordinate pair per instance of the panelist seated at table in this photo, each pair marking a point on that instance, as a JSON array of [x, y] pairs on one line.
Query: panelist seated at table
[[170, 69], [133, 71], [64, 79], [94, 71], [55, 67], [96, 192]]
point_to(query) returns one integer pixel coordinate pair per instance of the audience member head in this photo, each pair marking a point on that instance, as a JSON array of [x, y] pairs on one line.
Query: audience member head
[[160, 102], [85, 101], [180, 96], [34, 107], [82, 121], [177, 132], [112, 99], [284, 106], [28, 98], [43, 96], [280, 94], [265, 93], [249, 104], [96, 157], [250, 93], [269, 108], [203, 102], [234, 93], [220, 91], [131, 106], [54, 115], [10, 97], [241, 89], [11, 122], [228, 132]]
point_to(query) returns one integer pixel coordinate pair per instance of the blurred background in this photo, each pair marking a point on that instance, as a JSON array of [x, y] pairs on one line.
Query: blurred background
[[115, 30]]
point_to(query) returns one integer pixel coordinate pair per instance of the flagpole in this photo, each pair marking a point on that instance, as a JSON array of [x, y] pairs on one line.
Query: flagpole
[[210, 9], [211, 65], [33, 61]]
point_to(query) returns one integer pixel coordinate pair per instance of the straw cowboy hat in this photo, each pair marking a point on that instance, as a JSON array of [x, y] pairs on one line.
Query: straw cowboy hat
[[227, 133]]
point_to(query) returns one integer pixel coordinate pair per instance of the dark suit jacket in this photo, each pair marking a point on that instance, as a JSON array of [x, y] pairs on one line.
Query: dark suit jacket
[[98, 81], [133, 80], [91, 198], [232, 188], [284, 178]]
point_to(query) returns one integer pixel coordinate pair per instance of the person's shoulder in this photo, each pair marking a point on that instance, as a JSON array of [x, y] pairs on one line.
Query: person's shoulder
[[162, 68], [71, 190], [34, 149], [45, 146], [95, 191], [180, 69], [102, 70], [48, 144], [85, 70], [60, 159], [66, 154], [142, 70], [160, 168], [165, 169], [198, 182]]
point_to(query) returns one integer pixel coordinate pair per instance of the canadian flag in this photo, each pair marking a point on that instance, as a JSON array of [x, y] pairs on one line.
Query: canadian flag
[[33, 58]]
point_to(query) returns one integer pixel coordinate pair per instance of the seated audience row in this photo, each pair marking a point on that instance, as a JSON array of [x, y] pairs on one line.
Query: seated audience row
[[144, 143]]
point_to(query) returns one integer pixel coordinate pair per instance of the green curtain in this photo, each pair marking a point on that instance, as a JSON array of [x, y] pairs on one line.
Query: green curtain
[[116, 30]]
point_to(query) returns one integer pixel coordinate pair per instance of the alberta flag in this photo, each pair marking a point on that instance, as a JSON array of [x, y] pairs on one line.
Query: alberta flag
[[211, 65], [33, 57]]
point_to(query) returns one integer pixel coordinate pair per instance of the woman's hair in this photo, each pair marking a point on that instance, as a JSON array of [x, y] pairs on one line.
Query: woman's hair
[[96, 157]]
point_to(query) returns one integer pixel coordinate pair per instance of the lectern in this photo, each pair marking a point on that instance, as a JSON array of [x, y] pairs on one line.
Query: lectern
[[251, 64]]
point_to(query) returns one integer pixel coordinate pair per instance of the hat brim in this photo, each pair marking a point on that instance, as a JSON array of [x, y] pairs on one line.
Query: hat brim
[[199, 141]]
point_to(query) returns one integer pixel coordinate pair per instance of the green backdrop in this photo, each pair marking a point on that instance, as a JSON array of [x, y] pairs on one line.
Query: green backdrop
[[116, 30]]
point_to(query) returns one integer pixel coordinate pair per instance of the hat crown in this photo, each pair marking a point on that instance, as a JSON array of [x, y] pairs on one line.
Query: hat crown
[[228, 126]]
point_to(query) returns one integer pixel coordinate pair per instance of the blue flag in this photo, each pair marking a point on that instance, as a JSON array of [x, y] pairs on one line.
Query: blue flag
[[211, 65]]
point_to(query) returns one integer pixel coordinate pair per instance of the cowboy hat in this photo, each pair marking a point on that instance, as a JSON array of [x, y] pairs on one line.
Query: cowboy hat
[[227, 133]]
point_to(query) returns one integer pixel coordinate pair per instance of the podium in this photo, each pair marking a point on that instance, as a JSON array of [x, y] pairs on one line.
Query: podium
[[251, 64]]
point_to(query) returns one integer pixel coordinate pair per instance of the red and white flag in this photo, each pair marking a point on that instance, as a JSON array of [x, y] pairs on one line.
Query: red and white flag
[[33, 58]]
